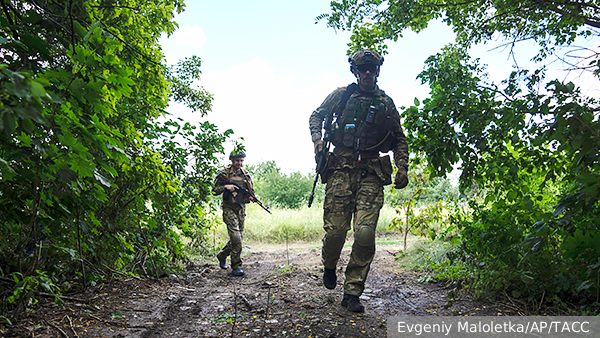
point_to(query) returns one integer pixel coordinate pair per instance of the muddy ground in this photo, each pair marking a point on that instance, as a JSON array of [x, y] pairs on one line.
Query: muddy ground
[[273, 299]]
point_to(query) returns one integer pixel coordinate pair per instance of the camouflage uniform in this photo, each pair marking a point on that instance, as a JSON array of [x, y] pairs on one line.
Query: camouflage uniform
[[234, 214], [356, 175]]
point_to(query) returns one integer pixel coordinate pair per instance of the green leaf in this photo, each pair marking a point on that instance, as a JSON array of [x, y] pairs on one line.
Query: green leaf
[[25, 139], [37, 89], [526, 278], [9, 122], [27, 124], [586, 178], [79, 29], [20, 87]]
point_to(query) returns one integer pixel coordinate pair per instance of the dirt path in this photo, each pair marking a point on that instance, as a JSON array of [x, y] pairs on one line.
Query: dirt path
[[273, 299]]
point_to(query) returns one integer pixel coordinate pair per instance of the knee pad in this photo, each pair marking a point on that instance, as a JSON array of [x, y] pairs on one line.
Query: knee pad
[[334, 239], [365, 236], [235, 238]]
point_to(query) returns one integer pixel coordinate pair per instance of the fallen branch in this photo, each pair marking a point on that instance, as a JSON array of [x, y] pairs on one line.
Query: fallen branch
[[246, 302], [49, 295], [71, 326], [62, 333]]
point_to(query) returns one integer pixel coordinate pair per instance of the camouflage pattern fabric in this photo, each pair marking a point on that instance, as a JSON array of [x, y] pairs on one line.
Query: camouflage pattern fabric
[[234, 217], [354, 191], [365, 56]]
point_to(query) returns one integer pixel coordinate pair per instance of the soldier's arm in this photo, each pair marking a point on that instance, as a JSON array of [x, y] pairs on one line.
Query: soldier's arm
[[400, 148], [218, 186], [316, 118]]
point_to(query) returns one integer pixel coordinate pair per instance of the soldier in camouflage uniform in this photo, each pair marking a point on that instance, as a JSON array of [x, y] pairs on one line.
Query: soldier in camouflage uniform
[[366, 125], [234, 214]]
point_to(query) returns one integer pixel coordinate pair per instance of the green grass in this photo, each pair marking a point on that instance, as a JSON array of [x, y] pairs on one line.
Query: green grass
[[301, 225], [421, 252]]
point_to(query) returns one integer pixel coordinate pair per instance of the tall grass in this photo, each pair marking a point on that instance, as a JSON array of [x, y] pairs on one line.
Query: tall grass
[[291, 225]]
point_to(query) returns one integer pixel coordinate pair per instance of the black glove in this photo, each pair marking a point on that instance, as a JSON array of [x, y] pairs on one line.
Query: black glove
[[401, 180]]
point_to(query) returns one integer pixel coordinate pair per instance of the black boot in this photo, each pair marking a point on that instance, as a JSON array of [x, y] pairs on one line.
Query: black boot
[[352, 303], [329, 278], [222, 262]]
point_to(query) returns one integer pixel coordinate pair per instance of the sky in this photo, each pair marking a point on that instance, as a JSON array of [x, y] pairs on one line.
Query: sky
[[269, 65]]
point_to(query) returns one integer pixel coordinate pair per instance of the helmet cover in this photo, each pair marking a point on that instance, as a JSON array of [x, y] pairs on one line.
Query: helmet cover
[[235, 154], [365, 57]]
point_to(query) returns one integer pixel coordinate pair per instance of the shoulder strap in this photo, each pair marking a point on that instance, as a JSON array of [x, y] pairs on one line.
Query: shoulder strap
[[349, 91], [334, 114], [247, 176]]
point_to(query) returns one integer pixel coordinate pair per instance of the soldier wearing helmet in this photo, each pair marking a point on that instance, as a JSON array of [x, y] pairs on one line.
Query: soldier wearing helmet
[[234, 213], [365, 128]]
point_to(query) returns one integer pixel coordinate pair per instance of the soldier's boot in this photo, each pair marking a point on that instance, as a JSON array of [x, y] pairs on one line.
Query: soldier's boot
[[329, 278], [352, 303], [237, 272], [222, 262]]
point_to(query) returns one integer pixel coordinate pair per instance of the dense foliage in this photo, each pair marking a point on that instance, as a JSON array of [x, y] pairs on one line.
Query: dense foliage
[[530, 144], [93, 180]]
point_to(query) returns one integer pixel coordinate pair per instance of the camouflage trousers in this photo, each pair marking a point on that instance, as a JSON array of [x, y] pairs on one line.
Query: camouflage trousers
[[234, 217], [352, 193]]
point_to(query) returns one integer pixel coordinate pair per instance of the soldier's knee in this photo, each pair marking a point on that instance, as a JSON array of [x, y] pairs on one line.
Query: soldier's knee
[[235, 238], [365, 236], [335, 238]]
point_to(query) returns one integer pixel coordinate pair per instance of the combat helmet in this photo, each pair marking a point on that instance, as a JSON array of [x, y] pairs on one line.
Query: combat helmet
[[365, 57], [236, 153]]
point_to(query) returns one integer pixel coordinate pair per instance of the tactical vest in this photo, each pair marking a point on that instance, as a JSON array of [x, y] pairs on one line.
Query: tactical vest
[[364, 125], [241, 180]]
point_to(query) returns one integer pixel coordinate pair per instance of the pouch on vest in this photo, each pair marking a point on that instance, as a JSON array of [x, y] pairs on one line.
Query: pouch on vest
[[363, 125], [384, 169]]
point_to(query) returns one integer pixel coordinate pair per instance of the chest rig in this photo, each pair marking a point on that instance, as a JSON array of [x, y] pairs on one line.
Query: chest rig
[[239, 177], [363, 125]]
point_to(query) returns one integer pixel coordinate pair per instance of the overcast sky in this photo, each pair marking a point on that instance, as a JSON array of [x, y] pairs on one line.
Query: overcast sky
[[269, 65]]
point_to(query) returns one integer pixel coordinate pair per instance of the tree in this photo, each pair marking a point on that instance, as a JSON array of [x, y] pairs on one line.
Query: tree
[[549, 23], [409, 219], [531, 145], [91, 180], [288, 191]]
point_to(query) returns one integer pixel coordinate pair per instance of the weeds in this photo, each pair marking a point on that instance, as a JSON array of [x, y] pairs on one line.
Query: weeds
[[225, 318]]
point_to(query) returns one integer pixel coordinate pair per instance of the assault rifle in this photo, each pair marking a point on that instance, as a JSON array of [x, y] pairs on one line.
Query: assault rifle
[[323, 156], [241, 192]]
